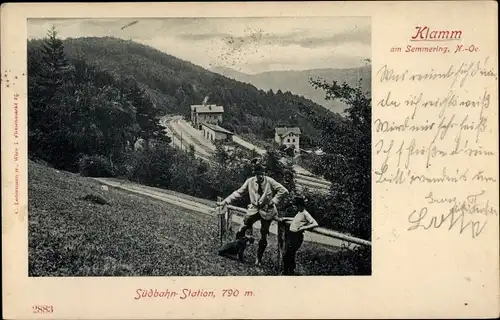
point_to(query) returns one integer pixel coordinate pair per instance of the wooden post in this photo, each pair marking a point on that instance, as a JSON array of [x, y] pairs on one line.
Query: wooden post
[[181, 140], [279, 245], [281, 242], [229, 220], [221, 221], [221, 229]]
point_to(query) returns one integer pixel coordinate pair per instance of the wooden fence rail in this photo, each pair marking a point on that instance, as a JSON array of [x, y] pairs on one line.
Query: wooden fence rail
[[226, 220]]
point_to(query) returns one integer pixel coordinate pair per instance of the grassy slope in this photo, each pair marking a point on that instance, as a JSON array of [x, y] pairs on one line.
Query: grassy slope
[[135, 236]]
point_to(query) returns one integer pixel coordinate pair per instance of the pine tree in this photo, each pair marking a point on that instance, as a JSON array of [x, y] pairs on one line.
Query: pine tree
[[146, 113], [55, 73], [50, 111]]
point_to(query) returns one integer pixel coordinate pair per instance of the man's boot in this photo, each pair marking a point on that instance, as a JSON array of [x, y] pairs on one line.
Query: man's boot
[[260, 251]]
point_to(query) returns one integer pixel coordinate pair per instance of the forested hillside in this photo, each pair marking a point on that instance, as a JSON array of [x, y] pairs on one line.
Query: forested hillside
[[76, 109], [173, 85]]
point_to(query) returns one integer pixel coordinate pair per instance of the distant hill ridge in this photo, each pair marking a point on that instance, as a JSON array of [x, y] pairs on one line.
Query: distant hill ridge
[[174, 85], [297, 81]]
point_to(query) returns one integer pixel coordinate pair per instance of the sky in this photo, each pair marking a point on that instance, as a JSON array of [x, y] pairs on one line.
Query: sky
[[249, 45]]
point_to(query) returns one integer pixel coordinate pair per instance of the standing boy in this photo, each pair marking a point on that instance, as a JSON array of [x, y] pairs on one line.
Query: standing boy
[[295, 236]]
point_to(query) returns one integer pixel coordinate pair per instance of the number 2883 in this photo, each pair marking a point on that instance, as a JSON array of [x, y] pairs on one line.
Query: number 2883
[[43, 309]]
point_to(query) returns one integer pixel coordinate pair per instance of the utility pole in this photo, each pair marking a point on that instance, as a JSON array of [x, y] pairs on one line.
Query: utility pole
[[181, 140]]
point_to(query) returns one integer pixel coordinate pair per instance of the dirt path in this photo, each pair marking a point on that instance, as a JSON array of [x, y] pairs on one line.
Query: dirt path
[[248, 145], [203, 206]]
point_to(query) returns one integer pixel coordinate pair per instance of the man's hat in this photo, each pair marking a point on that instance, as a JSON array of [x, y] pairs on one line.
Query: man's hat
[[257, 166]]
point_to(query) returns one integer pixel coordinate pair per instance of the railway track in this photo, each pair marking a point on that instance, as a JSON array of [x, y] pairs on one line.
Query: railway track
[[204, 150]]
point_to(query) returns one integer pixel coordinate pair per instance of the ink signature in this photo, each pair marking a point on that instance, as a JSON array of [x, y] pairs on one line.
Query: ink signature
[[459, 215]]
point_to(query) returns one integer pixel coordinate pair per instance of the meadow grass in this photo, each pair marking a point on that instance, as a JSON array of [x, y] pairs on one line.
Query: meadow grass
[[139, 236]]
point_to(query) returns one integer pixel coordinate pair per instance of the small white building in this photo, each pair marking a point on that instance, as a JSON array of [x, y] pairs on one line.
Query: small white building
[[213, 132], [210, 113], [319, 152], [289, 137]]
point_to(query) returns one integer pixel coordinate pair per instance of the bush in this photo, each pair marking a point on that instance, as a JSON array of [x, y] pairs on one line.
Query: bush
[[95, 166], [151, 166], [170, 168], [356, 261]]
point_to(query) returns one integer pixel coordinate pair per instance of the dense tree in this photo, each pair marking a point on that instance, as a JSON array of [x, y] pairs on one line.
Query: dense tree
[[347, 163], [76, 109], [49, 109], [145, 111], [55, 72], [281, 172]]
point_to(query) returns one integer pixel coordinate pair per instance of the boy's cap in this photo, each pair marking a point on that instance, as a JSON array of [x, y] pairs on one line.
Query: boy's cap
[[255, 160], [299, 200]]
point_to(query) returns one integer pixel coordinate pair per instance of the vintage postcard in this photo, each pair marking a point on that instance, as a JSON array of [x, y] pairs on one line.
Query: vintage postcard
[[231, 160]]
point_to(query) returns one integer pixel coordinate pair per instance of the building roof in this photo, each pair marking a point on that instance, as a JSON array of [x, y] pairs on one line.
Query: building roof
[[319, 152], [217, 128], [285, 131], [209, 108]]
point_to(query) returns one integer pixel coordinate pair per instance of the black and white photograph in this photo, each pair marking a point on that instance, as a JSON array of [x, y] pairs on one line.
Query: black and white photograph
[[199, 146]]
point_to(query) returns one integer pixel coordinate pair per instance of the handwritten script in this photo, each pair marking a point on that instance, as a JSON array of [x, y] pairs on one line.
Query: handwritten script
[[437, 135]]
